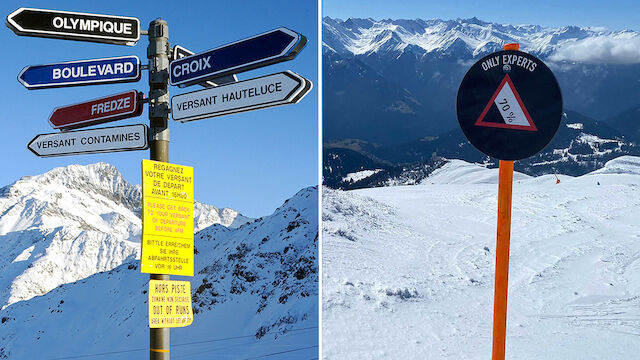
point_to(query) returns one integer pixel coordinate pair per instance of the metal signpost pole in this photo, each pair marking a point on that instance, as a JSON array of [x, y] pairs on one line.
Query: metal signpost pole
[[158, 55], [505, 183]]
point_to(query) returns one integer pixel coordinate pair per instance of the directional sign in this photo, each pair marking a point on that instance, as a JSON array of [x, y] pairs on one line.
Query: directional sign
[[257, 51], [170, 304], [271, 90], [98, 111], [68, 25], [509, 105], [110, 139], [179, 52], [167, 218], [82, 72]]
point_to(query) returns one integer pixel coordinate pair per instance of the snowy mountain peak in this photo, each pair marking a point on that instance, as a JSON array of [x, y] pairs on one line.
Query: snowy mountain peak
[[461, 38], [100, 178], [71, 222], [255, 288]]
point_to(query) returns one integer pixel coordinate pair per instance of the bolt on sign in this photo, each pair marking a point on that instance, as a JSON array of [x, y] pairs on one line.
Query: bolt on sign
[[167, 218], [170, 304]]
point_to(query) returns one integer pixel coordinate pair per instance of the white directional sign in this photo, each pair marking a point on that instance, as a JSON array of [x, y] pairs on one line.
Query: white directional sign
[[110, 139], [271, 90]]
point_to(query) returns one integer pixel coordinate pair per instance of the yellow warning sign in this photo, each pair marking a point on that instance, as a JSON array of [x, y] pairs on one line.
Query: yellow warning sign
[[167, 218], [169, 304]]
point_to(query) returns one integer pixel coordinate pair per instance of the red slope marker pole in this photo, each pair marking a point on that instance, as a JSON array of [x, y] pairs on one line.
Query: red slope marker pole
[[505, 184]]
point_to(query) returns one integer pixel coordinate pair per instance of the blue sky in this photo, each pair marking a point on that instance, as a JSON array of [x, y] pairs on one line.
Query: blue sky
[[251, 162], [613, 14]]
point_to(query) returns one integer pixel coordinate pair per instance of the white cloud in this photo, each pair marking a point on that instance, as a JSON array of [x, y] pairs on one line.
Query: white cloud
[[600, 50]]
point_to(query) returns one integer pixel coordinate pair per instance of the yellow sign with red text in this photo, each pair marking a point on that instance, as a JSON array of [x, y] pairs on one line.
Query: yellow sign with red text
[[170, 304], [167, 218]]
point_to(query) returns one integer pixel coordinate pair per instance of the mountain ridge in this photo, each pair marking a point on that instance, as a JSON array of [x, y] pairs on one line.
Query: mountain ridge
[[393, 83], [359, 36], [70, 249], [71, 222]]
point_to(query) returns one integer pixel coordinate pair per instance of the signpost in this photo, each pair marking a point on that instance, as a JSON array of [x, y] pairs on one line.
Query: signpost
[[158, 59], [110, 139], [267, 91], [121, 30], [167, 201], [170, 304], [98, 111], [257, 51], [83, 72], [509, 107], [179, 52], [167, 218]]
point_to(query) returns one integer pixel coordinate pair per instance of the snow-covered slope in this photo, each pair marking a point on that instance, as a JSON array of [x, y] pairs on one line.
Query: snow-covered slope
[[408, 271], [70, 223], [255, 293], [621, 165], [461, 172]]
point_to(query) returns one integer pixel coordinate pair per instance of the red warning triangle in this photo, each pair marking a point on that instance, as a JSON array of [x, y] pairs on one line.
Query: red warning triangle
[[513, 113]]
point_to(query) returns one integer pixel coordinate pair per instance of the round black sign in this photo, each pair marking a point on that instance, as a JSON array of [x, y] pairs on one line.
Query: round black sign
[[509, 105]]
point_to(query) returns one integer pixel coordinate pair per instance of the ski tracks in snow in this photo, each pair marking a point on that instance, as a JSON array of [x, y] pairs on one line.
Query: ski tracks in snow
[[413, 276]]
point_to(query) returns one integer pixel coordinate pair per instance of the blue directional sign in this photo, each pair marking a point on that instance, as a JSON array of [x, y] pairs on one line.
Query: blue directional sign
[[83, 72], [257, 51]]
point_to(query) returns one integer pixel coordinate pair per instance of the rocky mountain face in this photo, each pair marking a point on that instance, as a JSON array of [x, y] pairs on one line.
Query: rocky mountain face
[[391, 85], [70, 241], [72, 222], [270, 263]]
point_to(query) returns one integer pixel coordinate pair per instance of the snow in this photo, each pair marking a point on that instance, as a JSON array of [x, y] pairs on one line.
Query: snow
[[367, 36], [25, 255], [360, 175], [576, 126], [408, 271], [621, 165], [72, 222], [255, 294], [461, 172]]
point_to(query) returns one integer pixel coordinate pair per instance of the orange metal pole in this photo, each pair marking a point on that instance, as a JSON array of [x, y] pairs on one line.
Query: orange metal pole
[[505, 184], [512, 46], [503, 239]]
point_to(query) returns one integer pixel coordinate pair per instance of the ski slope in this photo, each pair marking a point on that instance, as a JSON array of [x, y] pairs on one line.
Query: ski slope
[[408, 270]]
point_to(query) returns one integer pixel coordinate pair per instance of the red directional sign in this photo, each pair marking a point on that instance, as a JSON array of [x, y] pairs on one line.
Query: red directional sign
[[98, 111]]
